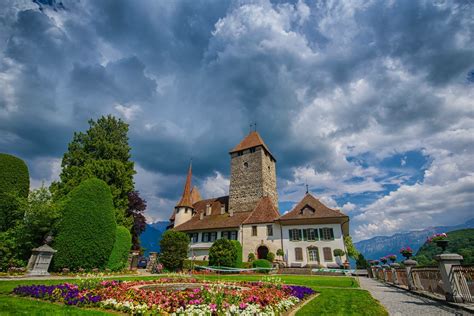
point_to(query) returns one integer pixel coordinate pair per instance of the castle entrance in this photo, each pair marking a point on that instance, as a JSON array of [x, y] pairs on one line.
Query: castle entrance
[[262, 252]]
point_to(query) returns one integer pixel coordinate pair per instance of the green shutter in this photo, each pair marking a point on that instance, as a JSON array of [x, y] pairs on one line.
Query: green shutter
[[305, 234], [332, 233], [316, 236]]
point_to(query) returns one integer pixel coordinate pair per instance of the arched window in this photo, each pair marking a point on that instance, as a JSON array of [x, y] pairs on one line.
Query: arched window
[[298, 254]]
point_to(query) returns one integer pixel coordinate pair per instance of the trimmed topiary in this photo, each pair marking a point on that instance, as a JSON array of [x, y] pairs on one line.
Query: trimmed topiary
[[87, 231], [174, 249], [223, 253], [123, 243], [262, 263], [14, 176], [271, 256], [238, 249]]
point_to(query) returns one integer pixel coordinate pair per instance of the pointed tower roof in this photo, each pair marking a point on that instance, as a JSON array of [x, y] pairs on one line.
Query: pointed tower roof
[[186, 199], [250, 141], [195, 195]]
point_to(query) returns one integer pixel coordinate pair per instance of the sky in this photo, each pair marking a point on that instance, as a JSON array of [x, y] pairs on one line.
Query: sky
[[370, 103]]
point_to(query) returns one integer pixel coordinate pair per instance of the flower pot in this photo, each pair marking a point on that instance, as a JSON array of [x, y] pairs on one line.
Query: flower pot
[[407, 255], [443, 244]]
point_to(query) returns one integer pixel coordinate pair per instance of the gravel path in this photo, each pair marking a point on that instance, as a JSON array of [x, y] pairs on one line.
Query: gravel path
[[399, 302]]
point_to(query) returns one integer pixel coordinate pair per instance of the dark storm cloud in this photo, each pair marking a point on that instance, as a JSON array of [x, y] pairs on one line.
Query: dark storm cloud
[[190, 76]]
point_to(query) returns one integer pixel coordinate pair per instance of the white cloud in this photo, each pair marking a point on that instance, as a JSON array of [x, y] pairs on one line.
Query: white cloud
[[128, 112], [215, 186], [348, 207]]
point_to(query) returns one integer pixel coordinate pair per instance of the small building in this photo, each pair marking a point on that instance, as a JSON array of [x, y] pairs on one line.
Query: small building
[[308, 234]]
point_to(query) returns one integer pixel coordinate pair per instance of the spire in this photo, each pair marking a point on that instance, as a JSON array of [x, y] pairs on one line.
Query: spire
[[186, 199], [253, 139]]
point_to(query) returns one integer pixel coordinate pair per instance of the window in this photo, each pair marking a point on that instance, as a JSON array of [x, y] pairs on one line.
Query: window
[[269, 230], [209, 237], [295, 234], [310, 234], [298, 254], [326, 233], [246, 164], [193, 237], [252, 150], [231, 234], [327, 254], [313, 254], [254, 230]]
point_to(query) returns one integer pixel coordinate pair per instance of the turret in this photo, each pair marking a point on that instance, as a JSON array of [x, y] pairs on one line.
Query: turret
[[183, 211]]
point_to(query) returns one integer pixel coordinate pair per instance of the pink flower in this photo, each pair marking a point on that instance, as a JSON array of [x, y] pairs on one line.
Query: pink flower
[[243, 306], [213, 307]]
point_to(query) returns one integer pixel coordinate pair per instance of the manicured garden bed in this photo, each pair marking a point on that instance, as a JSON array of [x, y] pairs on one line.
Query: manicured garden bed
[[186, 296]]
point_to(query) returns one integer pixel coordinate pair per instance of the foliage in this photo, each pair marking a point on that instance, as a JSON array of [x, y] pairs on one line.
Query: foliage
[[460, 241], [261, 263], [123, 243], [361, 263], [87, 231], [101, 152], [135, 210], [271, 256], [14, 182], [338, 252], [238, 249], [350, 248], [223, 253], [174, 249], [280, 253], [37, 218], [251, 257], [406, 251]]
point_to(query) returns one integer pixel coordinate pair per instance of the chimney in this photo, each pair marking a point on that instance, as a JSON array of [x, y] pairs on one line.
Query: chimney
[[201, 216], [208, 210], [222, 209], [231, 213]]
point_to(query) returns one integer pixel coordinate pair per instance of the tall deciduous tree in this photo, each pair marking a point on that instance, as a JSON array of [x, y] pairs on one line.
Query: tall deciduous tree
[[136, 208], [101, 152]]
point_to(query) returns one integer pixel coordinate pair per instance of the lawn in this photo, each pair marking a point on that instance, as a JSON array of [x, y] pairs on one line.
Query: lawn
[[338, 296]]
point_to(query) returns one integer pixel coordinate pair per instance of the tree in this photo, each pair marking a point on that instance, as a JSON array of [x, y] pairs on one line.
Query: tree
[[350, 248], [101, 152], [119, 257], [251, 257], [238, 250], [136, 208], [174, 249], [338, 252], [280, 253], [87, 230], [14, 182], [223, 253], [361, 263]]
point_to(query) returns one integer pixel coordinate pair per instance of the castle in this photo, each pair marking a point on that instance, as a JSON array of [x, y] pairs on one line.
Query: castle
[[308, 234]]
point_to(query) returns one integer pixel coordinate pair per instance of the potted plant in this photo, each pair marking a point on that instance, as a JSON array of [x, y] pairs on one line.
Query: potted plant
[[407, 252], [441, 240], [392, 258], [375, 262], [280, 253], [383, 260]]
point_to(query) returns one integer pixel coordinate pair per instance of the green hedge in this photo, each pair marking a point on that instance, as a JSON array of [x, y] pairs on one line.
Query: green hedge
[[123, 243], [174, 249], [14, 176], [87, 231], [238, 249], [223, 253], [262, 263]]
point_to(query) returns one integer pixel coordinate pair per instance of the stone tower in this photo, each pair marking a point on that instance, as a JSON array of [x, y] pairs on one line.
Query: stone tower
[[252, 174]]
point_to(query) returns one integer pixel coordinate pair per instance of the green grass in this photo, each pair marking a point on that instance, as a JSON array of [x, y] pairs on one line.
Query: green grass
[[338, 296]]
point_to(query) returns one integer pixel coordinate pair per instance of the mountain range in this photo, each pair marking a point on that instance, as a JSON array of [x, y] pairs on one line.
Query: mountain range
[[377, 247], [150, 238]]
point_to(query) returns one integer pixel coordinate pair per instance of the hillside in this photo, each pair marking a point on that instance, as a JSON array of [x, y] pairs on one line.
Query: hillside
[[460, 241], [380, 246], [150, 238]]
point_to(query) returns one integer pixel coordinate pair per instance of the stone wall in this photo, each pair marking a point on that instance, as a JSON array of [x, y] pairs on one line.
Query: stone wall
[[253, 176], [251, 243]]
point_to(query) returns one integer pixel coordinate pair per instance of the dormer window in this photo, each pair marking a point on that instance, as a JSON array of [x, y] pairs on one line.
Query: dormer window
[[208, 209], [222, 208]]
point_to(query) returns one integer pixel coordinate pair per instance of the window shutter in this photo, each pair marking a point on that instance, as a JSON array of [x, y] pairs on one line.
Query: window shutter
[[327, 254], [298, 254], [305, 234], [316, 236], [331, 231]]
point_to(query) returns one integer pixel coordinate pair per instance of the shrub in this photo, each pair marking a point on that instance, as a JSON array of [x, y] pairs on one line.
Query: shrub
[[223, 253], [174, 249], [238, 249], [262, 263], [14, 184], [251, 257], [119, 257], [87, 231], [280, 253], [338, 252], [271, 256]]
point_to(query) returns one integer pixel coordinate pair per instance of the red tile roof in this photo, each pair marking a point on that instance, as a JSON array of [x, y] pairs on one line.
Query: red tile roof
[[195, 195], [186, 199], [310, 207], [264, 212], [250, 141]]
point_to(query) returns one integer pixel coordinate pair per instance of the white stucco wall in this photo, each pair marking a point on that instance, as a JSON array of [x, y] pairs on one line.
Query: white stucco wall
[[251, 243], [289, 246], [200, 249]]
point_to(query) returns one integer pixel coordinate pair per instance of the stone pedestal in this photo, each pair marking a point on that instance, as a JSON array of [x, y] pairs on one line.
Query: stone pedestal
[[409, 264], [385, 267], [393, 267], [446, 261], [40, 260], [133, 259], [152, 261]]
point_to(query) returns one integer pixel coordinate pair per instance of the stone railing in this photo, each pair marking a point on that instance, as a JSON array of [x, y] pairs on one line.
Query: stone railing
[[449, 280]]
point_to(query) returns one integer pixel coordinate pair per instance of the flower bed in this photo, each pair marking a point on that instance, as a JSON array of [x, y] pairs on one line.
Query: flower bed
[[140, 297]]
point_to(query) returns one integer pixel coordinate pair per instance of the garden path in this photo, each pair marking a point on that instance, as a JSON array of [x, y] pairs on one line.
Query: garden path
[[399, 302]]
